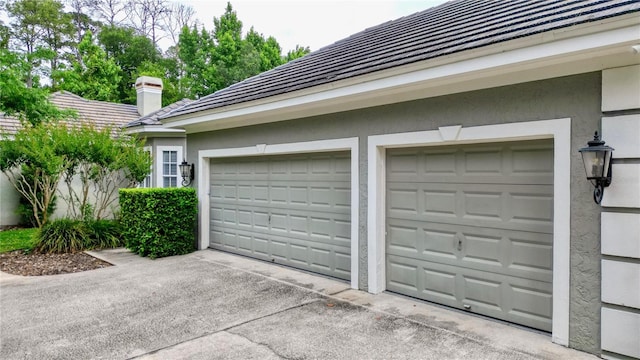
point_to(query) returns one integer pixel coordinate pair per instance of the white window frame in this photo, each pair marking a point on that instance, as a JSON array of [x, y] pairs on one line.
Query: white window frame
[[160, 167], [148, 149], [557, 129], [348, 144]]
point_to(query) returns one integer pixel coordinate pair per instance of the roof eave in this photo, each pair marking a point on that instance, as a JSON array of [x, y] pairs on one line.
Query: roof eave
[[578, 49], [154, 131]]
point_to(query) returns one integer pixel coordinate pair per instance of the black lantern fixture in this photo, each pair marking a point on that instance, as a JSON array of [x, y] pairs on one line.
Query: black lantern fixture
[[597, 164], [187, 172]]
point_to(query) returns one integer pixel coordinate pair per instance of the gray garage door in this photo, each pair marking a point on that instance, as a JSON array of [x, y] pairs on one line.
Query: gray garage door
[[471, 227], [292, 210]]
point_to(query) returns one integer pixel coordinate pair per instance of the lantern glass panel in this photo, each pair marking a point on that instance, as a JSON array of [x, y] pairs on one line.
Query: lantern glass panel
[[185, 170]]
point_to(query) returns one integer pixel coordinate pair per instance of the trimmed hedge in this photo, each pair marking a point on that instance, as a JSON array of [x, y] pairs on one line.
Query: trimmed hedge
[[158, 222]]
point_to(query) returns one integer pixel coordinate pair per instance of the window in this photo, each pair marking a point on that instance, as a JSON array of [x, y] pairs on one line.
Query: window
[[169, 168], [146, 183], [168, 171]]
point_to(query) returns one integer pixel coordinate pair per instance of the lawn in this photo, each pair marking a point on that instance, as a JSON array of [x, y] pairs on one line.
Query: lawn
[[17, 239]]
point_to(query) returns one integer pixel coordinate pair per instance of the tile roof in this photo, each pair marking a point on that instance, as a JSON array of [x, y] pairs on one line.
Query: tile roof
[[152, 118], [100, 113], [446, 29]]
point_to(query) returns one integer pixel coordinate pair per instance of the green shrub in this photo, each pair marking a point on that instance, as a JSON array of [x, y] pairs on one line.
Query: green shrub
[[63, 236], [104, 234], [68, 235], [159, 222]]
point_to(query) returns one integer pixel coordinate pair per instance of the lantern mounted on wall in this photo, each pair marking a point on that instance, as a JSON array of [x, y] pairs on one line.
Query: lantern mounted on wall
[[188, 173], [597, 165]]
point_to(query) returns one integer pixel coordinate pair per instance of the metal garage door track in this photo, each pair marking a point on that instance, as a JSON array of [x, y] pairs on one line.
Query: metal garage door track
[[212, 305]]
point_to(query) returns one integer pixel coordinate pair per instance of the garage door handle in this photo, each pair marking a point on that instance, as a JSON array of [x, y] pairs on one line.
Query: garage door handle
[[459, 244]]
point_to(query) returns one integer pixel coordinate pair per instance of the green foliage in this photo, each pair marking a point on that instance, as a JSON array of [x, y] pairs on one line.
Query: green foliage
[[69, 235], [42, 30], [298, 52], [195, 51], [55, 44], [29, 104], [166, 70], [159, 222], [4, 36], [63, 236], [96, 77], [18, 239], [35, 150], [104, 234], [129, 51], [103, 163]]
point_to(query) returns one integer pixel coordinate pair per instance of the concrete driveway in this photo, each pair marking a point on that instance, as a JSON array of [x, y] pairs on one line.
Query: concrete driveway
[[212, 305]]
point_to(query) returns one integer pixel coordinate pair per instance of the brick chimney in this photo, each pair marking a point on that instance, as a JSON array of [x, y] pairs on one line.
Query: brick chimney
[[148, 94]]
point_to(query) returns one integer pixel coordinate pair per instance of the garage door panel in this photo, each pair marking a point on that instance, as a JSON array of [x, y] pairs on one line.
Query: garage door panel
[[531, 207], [524, 301], [488, 162], [294, 210], [404, 239], [508, 206], [483, 251], [343, 261], [313, 237], [518, 253], [320, 196], [472, 226], [535, 160], [495, 226]]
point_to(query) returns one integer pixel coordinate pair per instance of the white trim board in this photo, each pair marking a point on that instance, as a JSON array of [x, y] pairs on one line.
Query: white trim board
[[348, 144], [547, 59], [558, 129], [159, 167]]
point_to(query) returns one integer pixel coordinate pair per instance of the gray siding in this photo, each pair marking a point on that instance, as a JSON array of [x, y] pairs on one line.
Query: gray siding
[[154, 142], [577, 97]]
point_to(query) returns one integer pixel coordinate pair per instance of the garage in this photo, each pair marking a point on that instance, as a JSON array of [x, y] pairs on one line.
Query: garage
[[293, 210], [471, 227]]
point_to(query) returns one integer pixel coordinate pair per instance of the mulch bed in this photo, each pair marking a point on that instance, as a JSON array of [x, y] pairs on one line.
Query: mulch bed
[[19, 263]]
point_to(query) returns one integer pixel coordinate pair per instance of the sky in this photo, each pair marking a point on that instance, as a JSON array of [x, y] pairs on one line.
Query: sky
[[313, 23]]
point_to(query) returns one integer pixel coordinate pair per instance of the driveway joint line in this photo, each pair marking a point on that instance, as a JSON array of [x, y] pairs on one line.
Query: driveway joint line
[[226, 329], [333, 296], [338, 292], [272, 278]]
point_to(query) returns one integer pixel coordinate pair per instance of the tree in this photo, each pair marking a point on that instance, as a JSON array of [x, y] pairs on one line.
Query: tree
[[81, 18], [104, 160], [228, 23], [298, 52], [40, 29], [110, 11], [269, 50], [29, 104], [148, 17], [96, 77], [4, 36], [180, 15], [128, 50], [33, 150], [52, 152], [195, 51]]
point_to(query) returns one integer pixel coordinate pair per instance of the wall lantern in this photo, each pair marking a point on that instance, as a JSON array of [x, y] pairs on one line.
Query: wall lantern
[[597, 164], [188, 173]]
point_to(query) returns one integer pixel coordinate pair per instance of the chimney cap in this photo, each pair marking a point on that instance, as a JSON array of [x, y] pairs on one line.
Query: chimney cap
[[149, 81]]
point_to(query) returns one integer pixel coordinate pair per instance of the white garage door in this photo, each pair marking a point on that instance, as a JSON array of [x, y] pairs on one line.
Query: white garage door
[[293, 210], [471, 227]]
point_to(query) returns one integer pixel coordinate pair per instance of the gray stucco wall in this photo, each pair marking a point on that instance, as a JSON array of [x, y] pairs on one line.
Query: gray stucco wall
[[154, 142], [576, 97]]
